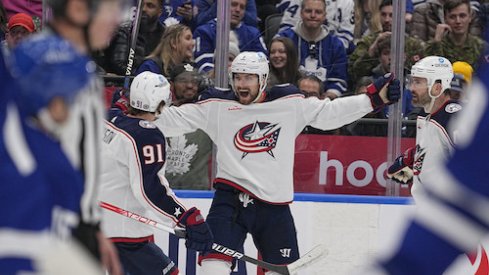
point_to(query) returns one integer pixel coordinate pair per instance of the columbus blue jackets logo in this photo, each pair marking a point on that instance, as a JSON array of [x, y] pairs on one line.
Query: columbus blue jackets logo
[[257, 137]]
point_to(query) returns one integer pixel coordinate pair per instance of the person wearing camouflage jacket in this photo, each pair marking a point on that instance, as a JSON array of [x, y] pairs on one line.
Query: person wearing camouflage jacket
[[452, 39]]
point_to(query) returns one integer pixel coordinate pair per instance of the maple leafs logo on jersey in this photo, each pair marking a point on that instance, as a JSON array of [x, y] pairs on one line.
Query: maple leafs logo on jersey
[[257, 137], [179, 155]]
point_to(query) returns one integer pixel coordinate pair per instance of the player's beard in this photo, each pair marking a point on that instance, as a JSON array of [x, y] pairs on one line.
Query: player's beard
[[422, 100]]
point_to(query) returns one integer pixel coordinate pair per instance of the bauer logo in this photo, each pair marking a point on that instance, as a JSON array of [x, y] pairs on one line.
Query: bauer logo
[[227, 251]]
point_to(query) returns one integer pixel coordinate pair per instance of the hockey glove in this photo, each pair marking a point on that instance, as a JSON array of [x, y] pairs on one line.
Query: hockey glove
[[384, 91], [120, 101], [199, 236], [402, 169]]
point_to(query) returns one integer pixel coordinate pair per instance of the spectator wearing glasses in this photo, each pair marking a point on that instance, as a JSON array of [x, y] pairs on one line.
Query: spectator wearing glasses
[[188, 155]]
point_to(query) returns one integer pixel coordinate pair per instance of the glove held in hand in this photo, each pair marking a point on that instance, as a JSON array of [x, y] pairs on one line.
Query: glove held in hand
[[199, 236]]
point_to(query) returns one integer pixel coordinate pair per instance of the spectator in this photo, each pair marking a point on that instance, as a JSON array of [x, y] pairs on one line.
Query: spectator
[[320, 52], [284, 64], [339, 18], [185, 80], [19, 27], [175, 47], [150, 33], [311, 85], [3, 22], [205, 37], [462, 78], [233, 52], [188, 155], [179, 12], [367, 19], [207, 10], [32, 8], [428, 15], [463, 68], [364, 58], [452, 39]]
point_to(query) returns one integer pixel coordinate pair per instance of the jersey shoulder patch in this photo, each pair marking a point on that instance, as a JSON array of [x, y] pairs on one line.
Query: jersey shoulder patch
[[147, 124], [453, 108]]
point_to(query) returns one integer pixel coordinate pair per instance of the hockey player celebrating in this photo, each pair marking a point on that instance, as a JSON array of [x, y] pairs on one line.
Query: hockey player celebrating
[[255, 156], [133, 176], [430, 86], [452, 218], [77, 28]]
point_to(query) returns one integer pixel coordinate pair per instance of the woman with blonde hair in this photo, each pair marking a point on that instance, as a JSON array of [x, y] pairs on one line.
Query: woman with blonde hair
[[175, 47], [367, 17]]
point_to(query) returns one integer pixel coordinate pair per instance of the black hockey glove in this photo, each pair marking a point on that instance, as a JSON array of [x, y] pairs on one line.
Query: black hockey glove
[[384, 91], [199, 236], [401, 170], [86, 234]]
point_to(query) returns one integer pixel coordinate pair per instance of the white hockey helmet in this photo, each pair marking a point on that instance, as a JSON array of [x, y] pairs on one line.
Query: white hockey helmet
[[148, 90], [434, 68], [251, 63]]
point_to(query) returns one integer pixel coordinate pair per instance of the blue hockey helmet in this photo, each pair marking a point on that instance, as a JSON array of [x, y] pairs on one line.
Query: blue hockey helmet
[[47, 67]]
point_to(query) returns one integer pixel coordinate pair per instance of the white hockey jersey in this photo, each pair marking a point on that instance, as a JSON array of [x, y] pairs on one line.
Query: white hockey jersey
[[434, 142], [133, 177], [255, 143]]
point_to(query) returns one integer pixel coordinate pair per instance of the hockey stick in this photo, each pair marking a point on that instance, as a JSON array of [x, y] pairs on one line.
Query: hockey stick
[[289, 269], [132, 48]]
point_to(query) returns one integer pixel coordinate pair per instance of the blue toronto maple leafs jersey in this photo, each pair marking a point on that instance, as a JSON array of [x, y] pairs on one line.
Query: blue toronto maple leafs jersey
[[205, 43], [325, 58], [133, 176], [39, 189]]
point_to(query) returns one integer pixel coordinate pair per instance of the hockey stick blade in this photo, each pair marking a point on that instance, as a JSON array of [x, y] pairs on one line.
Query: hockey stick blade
[[289, 269], [308, 259]]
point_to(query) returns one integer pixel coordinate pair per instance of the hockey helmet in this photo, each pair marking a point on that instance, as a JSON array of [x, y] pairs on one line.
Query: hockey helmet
[[49, 67], [148, 90], [251, 63], [434, 68]]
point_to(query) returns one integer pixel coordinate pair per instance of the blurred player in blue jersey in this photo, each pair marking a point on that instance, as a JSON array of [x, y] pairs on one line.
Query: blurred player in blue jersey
[[133, 177], [40, 191], [452, 216], [75, 119], [255, 137]]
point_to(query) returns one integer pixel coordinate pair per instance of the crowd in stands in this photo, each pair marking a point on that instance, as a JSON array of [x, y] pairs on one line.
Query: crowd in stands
[[329, 49]]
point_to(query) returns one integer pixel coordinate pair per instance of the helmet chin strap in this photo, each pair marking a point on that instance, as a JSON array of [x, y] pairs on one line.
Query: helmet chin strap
[[429, 108]]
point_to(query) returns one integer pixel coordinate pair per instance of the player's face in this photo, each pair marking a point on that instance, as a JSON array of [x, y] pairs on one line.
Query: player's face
[[386, 18], [185, 45], [278, 55], [105, 22], [459, 19], [247, 86], [419, 90], [238, 8], [313, 14]]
